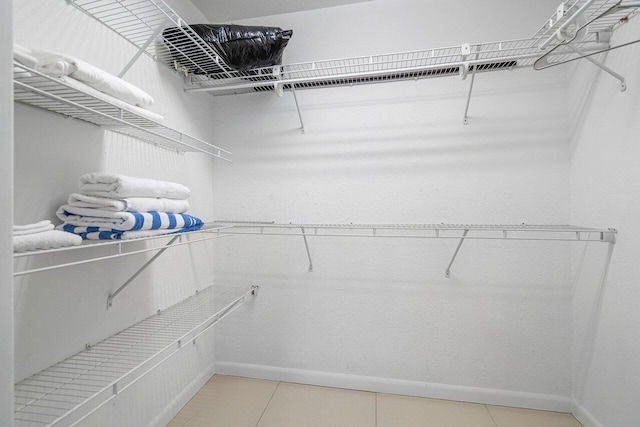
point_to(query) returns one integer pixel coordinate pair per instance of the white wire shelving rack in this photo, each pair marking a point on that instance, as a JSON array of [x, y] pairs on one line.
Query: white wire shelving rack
[[460, 232], [142, 23], [50, 93], [68, 392], [577, 29], [90, 252]]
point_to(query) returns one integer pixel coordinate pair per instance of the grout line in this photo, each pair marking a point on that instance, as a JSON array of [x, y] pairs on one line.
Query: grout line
[[268, 403], [375, 423], [490, 415]]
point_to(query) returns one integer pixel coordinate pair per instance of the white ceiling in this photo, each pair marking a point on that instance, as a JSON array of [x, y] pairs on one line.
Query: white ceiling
[[226, 11]]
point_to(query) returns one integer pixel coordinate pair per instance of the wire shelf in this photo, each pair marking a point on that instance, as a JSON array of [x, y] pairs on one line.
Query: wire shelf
[[593, 12], [446, 231], [141, 22], [34, 88], [66, 392], [121, 248]]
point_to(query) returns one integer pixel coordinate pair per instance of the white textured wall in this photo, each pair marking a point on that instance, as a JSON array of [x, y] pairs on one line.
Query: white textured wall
[[58, 312], [605, 185], [500, 329], [6, 193]]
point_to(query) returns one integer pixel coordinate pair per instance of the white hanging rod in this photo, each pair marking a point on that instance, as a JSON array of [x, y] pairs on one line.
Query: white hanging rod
[[67, 393], [118, 247]]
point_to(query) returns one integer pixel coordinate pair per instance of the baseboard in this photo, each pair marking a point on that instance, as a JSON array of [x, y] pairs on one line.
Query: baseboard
[[177, 403], [403, 387], [584, 416]]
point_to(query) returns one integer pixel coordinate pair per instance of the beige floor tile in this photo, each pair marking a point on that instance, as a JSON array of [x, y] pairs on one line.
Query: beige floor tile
[[405, 411], [227, 402], [515, 417], [295, 405]]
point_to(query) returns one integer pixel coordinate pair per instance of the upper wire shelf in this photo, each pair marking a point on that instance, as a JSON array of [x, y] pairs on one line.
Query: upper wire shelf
[[142, 22], [601, 15], [53, 94]]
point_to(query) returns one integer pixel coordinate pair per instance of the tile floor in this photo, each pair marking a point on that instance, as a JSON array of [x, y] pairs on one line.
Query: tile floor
[[244, 402]]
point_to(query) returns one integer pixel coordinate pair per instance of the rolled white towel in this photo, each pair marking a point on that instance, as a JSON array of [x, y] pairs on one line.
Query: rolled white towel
[[24, 56], [117, 186], [132, 204], [83, 87], [38, 227], [51, 239], [57, 64]]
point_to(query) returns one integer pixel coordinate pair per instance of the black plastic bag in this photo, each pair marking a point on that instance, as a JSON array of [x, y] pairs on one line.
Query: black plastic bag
[[240, 47]]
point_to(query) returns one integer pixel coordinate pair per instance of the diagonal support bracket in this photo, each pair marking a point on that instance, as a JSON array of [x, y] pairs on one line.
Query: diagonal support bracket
[[144, 47], [140, 270], [295, 98], [465, 120], [306, 245], [623, 83], [447, 272]]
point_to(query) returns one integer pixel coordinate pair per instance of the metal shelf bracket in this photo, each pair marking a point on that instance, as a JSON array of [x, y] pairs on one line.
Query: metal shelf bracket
[[140, 270], [306, 245], [295, 98], [144, 47], [447, 272]]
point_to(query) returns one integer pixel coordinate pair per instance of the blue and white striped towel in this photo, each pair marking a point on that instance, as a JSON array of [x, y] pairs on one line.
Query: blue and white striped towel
[[97, 233], [125, 221]]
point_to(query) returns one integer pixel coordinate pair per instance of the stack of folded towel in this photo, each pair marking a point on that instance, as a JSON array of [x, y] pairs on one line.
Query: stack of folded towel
[[115, 207], [41, 235]]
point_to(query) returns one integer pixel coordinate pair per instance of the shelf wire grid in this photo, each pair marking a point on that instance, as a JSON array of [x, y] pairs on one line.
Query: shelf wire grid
[[594, 10], [50, 93], [141, 22], [446, 231], [70, 390], [182, 49], [414, 65], [120, 248]]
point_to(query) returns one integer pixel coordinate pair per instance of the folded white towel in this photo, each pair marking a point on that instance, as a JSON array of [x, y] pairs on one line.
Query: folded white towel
[[38, 227], [57, 64], [134, 204], [121, 186], [83, 87], [51, 239], [24, 56]]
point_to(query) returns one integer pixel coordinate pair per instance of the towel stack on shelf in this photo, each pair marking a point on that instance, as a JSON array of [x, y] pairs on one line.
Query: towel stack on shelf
[[41, 235], [116, 207]]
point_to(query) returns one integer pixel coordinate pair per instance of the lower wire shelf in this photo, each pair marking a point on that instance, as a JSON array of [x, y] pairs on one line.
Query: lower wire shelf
[[68, 392]]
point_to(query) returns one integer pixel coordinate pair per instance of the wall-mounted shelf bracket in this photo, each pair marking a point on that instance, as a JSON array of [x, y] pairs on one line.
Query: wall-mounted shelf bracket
[[623, 83], [447, 272], [142, 49], [140, 270], [466, 109], [295, 98], [306, 245]]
